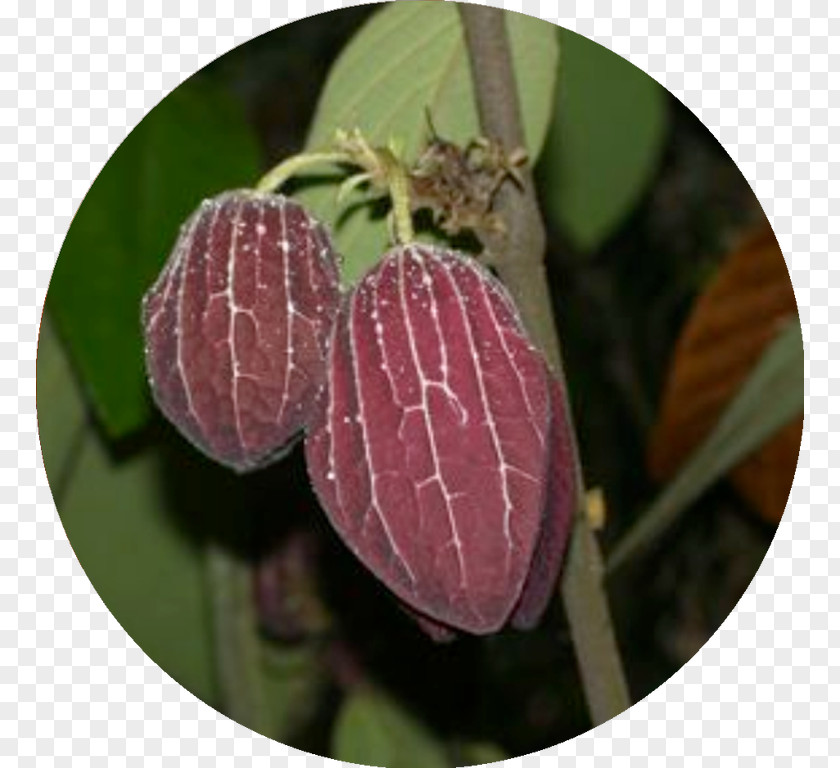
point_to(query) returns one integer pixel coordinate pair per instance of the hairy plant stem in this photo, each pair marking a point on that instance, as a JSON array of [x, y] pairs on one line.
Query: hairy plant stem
[[280, 174], [518, 256], [237, 644]]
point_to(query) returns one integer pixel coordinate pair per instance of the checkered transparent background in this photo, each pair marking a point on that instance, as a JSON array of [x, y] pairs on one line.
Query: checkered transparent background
[[75, 689]]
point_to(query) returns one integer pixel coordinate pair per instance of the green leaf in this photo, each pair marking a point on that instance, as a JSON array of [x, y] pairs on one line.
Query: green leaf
[[408, 58], [373, 730], [119, 519], [195, 143], [479, 753], [605, 143], [61, 409], [294, 682], [769, 399]]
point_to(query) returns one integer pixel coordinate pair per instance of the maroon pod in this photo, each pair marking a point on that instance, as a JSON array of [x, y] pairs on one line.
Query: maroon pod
[[561, 497], [429, 448], [237, 323], [542, 581]]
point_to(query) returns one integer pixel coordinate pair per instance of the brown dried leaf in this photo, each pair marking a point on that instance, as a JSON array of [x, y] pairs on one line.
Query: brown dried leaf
[[731, 323]]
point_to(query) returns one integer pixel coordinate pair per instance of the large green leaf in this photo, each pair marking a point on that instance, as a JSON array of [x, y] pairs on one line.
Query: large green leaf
[[768, 399], [605, 143], [61, 408], [118, 517], [374, 730], [408, 58], [195, 143]]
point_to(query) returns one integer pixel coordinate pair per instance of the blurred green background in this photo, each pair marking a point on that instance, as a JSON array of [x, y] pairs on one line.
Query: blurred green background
[[642, 206]]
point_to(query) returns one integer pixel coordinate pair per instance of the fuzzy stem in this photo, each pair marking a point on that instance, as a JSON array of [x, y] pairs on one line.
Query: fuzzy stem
[[398, 188], [518, 256], [278, 175]]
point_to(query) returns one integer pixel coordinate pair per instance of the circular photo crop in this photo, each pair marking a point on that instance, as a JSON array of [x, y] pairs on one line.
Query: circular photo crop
[[420, 384]]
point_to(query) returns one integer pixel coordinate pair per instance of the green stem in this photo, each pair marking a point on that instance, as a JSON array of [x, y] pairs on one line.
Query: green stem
[[278, 175], [518, 256], [398, 188], [380, 165], [237, 643]]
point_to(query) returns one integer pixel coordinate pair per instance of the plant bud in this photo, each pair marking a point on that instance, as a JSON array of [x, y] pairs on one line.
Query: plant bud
[[236, 326], [430, 446]]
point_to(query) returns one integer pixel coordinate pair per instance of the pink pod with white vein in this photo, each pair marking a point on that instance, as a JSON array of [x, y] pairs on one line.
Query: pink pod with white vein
[[541, 583], [429, 446], [558, 514], [237, 323]]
